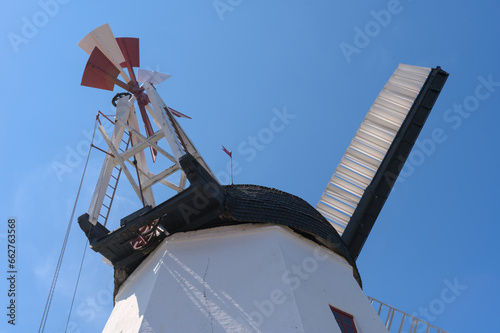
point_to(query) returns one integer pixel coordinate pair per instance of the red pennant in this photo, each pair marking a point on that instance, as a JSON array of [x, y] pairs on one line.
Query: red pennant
[[230, 153]]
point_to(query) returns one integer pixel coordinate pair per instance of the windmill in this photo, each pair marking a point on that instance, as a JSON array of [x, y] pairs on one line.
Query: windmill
[[108, 57], [240, 258]]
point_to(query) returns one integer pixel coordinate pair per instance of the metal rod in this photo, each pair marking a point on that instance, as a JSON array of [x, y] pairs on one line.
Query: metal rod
[[105, 152]]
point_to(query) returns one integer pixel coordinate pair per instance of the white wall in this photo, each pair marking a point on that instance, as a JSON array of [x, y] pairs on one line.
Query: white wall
[[243, 278]]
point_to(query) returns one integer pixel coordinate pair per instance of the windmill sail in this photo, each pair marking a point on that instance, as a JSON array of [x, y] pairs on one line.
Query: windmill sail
[[368, 170]]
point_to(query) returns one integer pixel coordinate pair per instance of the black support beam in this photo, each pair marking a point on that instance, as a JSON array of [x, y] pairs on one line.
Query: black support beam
[[377, 192]]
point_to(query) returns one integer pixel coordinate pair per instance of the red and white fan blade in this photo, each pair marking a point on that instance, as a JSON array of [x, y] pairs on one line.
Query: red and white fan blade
[[103, 38], [100, 72], [130, 50]]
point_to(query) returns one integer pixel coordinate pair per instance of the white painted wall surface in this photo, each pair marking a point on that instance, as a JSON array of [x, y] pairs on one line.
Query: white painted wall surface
[[243, 278]]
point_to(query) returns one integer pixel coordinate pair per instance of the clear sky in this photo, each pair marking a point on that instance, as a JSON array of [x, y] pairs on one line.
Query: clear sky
[[234, 64]]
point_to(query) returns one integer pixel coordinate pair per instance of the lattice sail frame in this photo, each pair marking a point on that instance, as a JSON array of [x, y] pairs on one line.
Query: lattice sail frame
[[169, 129], [370, 145]]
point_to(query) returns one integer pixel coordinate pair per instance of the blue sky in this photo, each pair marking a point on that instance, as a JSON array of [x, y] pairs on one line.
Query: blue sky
[[232, 69]]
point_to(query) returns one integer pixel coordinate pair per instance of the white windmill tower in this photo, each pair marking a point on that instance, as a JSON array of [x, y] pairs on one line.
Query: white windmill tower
[[239, 258]]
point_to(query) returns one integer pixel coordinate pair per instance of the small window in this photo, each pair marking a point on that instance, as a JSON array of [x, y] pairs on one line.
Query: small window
[[345, 320]]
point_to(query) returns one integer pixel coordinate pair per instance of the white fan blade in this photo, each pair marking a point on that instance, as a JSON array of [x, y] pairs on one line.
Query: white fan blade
[[143, 75], [103, 38]]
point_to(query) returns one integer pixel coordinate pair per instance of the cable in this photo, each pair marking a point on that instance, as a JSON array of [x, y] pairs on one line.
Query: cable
[[63, 248], [76, 286]]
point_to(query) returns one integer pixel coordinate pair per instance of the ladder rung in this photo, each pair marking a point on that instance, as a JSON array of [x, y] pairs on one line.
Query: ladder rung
[[104, 217], [111, 186], [108, 196], [114, 177], [105, 206]]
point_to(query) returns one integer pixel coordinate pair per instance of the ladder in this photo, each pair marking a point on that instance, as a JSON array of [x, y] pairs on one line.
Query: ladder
[[113, 182]]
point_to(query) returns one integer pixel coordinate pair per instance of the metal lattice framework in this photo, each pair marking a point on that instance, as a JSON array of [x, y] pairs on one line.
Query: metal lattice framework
[[108, 57]]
